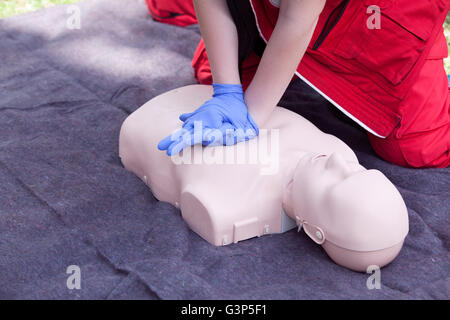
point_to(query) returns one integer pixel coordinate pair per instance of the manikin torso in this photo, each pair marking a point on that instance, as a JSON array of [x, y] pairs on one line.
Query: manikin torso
[[231, 193]]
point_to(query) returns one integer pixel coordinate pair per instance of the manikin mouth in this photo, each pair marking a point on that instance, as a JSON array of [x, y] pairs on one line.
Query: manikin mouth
[[320, 155]]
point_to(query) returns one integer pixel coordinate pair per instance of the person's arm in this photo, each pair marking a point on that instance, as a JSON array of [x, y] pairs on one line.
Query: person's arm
[[221, 40], [295, 25]]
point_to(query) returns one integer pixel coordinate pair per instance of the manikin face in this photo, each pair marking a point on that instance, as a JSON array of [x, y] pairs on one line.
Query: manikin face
[[352, 205], [317, 175]]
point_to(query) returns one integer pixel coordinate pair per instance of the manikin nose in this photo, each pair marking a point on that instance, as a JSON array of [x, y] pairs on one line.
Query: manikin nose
[[337, 162]]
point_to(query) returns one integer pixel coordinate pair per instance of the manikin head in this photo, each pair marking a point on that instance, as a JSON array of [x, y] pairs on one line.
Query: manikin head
[[357, 214]]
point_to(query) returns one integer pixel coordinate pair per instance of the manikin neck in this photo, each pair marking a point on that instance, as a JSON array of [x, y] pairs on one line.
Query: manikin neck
[[288, 195]]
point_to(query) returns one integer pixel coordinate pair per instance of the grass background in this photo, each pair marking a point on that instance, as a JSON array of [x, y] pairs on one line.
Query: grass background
[[447, 35], [13, 7]]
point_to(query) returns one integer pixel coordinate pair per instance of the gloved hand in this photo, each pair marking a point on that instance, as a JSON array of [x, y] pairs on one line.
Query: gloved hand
[[223, 119]]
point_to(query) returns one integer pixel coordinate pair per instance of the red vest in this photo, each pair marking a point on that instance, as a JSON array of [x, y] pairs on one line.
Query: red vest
[[363, 70]]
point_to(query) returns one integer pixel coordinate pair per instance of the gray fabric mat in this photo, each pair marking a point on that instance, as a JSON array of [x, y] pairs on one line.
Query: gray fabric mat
[[66, 200]]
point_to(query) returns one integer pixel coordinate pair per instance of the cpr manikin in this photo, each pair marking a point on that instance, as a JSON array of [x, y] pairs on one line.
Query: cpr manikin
[[291, 175]]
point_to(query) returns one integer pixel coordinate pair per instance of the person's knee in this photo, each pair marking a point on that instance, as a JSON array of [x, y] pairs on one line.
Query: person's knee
[[420, 150]]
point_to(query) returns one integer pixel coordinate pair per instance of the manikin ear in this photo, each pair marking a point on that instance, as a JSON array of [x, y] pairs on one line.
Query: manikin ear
[[314, 232]]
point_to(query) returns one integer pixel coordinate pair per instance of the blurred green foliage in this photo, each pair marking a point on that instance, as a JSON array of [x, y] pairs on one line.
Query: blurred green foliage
[[447, 35], [12, 7]]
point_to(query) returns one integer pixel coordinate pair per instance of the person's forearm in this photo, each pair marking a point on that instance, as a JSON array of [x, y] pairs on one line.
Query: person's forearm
[[283, 53], [221, 40]]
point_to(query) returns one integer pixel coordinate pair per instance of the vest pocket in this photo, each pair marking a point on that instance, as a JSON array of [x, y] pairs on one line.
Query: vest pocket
[[388, 36]]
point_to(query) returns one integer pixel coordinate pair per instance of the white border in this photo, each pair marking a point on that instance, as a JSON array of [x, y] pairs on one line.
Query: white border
[[348, 114]]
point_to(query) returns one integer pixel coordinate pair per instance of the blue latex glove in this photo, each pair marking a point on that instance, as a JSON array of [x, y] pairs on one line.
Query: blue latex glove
[[223, 119]]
